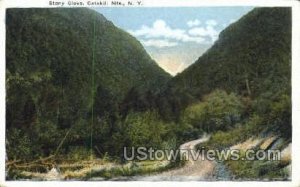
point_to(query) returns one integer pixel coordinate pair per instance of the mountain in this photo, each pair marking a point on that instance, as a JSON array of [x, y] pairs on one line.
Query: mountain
[[252, 56], [79, 88], [243, 83], [61, 62]]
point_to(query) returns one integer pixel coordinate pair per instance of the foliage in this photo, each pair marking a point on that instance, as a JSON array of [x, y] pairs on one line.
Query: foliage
[[217, 111], [251, 56], [257, 169], [224, 139], [50, 89], [19, 145], [145, 130]]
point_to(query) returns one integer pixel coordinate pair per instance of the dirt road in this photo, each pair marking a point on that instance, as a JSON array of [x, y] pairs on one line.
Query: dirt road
[[197, 169]]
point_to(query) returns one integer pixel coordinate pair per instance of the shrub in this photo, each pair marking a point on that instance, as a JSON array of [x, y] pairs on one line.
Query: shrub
[[218, 111], [144, 129], [20, 145]]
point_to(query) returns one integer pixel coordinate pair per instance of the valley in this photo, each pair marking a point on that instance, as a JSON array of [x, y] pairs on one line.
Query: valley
[[79, 89]]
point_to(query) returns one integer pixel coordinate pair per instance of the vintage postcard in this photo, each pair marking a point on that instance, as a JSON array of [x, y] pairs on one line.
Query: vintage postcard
[[149, 91]]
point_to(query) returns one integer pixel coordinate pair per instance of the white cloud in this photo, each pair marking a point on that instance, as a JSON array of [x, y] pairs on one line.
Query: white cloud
[[208, 31], [211, 22], [193, 23], [159, 43], [160, 29]]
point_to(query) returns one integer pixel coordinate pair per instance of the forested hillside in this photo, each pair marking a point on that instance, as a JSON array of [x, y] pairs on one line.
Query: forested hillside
[[61, 64], [251, 59], [77, 87], [252, 56], [243, 83]]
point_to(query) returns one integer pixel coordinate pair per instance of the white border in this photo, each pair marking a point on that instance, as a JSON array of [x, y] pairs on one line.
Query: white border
[[161, 3], [169, 3]]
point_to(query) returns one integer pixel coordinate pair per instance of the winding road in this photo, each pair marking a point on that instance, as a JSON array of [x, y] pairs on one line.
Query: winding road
[[194, 170]]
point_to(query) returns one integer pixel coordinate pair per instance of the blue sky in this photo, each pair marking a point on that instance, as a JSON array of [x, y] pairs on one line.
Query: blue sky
[[175, 37]]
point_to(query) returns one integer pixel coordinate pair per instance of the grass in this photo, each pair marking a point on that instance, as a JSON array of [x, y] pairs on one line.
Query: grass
[[135, 169], [250, 170], [97, 168], [242, 132], [258, 169]]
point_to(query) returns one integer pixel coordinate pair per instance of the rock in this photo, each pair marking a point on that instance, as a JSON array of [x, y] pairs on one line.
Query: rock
[[53, 174]]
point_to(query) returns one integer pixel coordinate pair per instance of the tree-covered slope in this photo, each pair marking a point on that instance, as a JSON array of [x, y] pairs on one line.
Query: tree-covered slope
[[50, 54], [251, 56], [61, 64], [243, 83]]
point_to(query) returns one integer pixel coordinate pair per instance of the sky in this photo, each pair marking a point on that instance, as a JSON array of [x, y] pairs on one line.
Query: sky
[[174, 37]]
